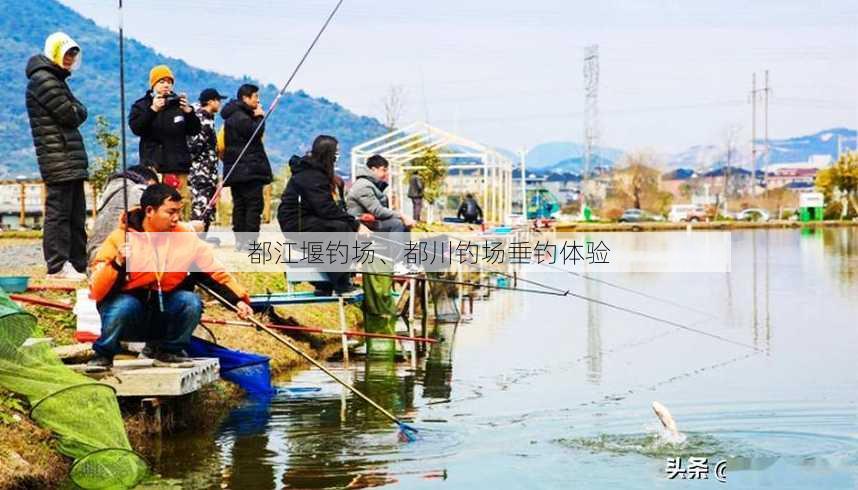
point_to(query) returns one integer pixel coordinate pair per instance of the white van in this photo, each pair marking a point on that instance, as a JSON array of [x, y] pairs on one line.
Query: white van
[[686, 212]]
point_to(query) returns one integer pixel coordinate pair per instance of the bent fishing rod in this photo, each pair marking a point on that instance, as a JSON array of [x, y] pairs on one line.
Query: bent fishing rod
[[210, 205], [407, 432], [562, 292]]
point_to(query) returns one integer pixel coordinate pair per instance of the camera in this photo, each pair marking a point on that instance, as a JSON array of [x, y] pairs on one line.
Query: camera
[[171, 99]]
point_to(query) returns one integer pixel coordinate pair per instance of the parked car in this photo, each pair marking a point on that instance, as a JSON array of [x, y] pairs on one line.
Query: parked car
[[686, 212], [753, 214], [635, 215]]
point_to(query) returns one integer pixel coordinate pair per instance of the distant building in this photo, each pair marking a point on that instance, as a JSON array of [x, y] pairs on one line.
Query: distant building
[[32, 191], [674, 180], [460, 182], [566, 186], [796, 175], [717, 180], [791, 177], [10, 203]]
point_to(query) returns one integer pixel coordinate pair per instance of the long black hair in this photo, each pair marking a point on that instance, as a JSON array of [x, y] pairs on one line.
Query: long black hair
[[324, 152]]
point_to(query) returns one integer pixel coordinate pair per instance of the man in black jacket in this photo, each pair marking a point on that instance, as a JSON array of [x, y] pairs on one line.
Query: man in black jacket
[[470, 211], [246, 177], [55, 115], [163, 121]]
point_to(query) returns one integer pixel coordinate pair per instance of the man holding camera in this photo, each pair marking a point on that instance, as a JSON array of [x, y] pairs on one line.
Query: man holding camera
[[163, 120]]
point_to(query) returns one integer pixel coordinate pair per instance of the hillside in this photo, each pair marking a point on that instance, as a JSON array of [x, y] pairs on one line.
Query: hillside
[[23, 29], [565, 153], [576, 164]]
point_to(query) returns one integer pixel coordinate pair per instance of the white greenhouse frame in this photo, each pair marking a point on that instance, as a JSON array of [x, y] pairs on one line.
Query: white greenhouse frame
[[400, 147]]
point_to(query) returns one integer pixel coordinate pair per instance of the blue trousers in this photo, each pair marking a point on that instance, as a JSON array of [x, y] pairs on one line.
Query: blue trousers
[[128, 317]]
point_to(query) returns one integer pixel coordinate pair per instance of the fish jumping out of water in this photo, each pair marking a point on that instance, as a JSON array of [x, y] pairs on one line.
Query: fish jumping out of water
[[665, 418]]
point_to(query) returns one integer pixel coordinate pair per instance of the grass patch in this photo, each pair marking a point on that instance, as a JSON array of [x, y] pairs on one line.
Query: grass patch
[[28, 456], [28, 234]]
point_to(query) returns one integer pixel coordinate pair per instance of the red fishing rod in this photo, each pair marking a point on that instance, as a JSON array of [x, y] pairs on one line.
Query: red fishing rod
[[329, 331]]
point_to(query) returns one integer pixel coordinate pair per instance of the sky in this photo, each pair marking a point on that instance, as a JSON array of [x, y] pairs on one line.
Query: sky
[[510, 73]]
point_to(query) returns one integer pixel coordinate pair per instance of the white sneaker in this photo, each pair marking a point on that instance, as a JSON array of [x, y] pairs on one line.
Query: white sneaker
[[67, 273], [402, 269]]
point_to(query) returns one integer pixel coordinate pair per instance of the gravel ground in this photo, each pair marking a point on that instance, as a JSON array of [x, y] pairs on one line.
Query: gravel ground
[[21, 256]]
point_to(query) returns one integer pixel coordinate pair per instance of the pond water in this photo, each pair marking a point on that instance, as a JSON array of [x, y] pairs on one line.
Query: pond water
[[548, 392]]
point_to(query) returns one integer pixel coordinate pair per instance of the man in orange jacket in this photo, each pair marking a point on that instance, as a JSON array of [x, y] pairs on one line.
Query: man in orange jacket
[[143, 287]]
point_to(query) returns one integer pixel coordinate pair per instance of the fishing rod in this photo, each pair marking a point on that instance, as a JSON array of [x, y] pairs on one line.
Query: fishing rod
[[34, 300], [271, 108], [557, 292], [122, 110], [327, 331], [466, 283], [406, 432]]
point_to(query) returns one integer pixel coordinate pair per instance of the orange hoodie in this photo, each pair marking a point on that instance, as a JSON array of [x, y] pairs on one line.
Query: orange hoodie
[[185, 252]]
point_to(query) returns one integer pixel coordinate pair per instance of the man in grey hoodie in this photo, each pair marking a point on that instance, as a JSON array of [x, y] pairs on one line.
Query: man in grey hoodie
[[367, 196], [111, 203]]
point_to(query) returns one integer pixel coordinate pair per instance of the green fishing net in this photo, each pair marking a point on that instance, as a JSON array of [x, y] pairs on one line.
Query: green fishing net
[[379, 309], [444, 296], [82, 413]]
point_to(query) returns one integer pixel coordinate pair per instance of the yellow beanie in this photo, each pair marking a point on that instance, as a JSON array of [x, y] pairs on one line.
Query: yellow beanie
[[159, 72]]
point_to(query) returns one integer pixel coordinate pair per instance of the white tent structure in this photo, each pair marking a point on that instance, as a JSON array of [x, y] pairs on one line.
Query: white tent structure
[[400, 147]]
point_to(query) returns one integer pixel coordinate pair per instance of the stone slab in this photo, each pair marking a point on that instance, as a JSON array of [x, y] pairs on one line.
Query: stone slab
[[139, 377]]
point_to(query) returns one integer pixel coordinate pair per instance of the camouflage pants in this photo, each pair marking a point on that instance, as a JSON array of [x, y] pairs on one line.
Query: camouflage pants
[[202, 190]]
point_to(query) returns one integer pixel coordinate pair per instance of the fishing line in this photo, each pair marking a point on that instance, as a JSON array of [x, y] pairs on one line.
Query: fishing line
[[603, 303], [625, 288], [632, 291], [271, 108]]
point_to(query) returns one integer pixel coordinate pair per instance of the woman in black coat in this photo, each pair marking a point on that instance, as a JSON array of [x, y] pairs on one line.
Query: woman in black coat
[[309, 203], [55, 116]]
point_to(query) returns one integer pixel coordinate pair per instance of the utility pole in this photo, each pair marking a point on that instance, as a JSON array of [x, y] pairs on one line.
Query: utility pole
[[754, 94], [765, 122], [753, 133], [591, 115], [522, 155], [22, 215]]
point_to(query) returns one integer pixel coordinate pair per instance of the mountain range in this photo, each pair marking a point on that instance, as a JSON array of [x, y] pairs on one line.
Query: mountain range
[[300, 117], [566, 157], [24, 25], [786, 150], [563, 156]]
